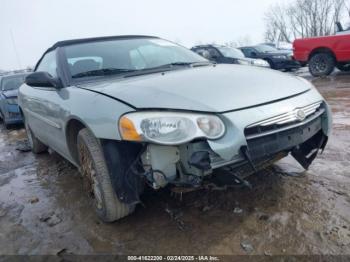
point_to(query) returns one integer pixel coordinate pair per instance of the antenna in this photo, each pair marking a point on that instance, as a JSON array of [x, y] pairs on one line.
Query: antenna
[[15, 49]]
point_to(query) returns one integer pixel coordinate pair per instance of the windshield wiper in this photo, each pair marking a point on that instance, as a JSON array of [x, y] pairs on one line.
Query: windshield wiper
[[103, 72], [193, 64]]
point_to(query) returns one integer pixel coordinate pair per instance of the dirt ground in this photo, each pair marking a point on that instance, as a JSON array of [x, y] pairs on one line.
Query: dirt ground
[[43, 209]]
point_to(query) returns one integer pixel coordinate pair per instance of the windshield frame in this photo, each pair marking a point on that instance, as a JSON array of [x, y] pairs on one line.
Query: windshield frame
[[68, 80]]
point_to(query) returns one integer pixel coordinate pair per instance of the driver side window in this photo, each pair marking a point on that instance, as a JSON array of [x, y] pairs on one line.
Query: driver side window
[[48, 64]]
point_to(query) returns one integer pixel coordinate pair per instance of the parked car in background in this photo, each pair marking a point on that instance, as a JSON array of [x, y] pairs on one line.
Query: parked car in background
[[281, 46], [324, 53], [227, 55], [9, 111], [277, 59], [130, 110]]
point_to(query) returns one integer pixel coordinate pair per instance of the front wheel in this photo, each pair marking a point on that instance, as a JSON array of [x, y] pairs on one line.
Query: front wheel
[[321, 64], [97, 179]]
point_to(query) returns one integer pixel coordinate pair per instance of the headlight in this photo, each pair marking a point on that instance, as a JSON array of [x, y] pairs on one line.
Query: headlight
[[169, 128], [261, 63], [12, 101], [280, 57], [243, 62]]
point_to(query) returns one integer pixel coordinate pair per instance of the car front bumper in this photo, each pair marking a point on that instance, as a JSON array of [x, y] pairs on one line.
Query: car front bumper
[[286, 64], [12, 114], [242, 146]]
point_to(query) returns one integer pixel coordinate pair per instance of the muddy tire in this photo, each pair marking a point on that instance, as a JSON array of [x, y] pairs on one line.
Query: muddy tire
[[36, 145], [97, 179], [321, 64]]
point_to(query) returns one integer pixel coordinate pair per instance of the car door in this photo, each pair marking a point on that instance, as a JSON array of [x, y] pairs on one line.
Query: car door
[[45, 108], [342, 47]]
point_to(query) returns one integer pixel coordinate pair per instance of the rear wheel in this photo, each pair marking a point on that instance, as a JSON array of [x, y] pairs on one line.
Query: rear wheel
[[97, 179], [36, 145], [321, 64]]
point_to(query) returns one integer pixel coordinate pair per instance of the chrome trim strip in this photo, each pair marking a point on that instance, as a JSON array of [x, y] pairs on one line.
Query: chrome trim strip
[[289, 116], [287, 127], [47, 121]]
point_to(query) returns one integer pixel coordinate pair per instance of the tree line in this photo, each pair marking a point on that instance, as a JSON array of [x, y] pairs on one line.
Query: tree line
[[304, 18]]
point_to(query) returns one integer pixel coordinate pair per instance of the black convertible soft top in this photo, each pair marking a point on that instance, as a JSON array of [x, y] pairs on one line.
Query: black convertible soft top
[[95, 39]]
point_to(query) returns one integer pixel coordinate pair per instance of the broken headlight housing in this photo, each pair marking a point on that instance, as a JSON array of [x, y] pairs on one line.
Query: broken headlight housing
[[169, 128]]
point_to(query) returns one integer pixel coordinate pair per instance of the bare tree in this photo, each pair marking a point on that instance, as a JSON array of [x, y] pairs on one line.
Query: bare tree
[[241, 41], [303, 18]]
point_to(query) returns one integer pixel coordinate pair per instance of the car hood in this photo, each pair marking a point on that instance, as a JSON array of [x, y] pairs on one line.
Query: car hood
[[251, 60], [10, 93], [279, 52], [216, 88]]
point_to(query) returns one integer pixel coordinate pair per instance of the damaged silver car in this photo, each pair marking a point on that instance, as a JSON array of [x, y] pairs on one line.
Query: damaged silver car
[[136, 110]]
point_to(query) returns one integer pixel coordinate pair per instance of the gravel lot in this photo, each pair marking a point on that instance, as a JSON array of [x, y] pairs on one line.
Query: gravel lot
[[43, 209]]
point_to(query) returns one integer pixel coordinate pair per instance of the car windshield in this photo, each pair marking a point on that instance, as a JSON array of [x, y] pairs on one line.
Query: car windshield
[[265, 49], [119, 56], [11, 83], [231, 52]]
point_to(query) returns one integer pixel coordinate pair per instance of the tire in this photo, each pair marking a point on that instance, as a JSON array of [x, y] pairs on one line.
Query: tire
[[36, 145], [321, 64], [97, 179], [344, 68]]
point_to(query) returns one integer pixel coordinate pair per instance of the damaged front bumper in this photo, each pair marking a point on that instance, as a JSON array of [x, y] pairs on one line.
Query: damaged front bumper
[[254, 139], [244, 151]]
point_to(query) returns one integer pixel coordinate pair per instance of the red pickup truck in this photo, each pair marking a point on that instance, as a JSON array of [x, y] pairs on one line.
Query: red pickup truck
[[324, 53]]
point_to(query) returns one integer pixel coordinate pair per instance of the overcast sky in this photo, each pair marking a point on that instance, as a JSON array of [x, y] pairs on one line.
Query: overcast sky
[[37, 24]]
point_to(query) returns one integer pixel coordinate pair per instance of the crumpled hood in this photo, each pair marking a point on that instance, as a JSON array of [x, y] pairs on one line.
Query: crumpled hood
[[216, 88], [10, 93]]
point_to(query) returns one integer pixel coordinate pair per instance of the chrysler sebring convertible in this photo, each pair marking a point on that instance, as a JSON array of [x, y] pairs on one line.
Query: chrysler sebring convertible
[[135, 110]]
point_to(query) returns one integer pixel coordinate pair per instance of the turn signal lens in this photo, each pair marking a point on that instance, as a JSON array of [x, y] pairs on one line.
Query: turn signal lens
[[211, 126], [128, 130]]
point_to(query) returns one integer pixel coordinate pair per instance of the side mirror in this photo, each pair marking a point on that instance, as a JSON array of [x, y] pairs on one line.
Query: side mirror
[[42, 79], [253, 54]]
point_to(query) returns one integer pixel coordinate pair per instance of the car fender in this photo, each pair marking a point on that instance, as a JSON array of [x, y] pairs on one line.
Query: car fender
[[98, 112]]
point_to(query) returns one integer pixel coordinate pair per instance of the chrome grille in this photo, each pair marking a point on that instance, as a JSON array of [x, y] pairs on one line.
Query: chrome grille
[[289, 116], [284, 121]]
